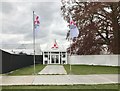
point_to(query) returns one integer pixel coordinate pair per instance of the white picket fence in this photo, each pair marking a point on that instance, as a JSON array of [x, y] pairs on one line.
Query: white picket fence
[[108, 60]]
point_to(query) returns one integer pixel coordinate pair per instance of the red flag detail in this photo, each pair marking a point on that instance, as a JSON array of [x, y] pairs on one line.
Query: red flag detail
[[37, 20]]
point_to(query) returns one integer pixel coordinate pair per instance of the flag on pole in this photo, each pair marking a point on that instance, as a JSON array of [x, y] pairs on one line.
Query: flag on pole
[[36, 23], [74, 32]]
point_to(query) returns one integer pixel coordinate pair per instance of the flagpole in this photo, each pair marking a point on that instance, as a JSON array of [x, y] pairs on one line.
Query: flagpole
[[34, 41], [71, 38], [70, 49], [70, 55]]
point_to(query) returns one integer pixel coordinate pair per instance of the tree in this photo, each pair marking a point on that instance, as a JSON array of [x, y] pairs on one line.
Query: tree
[[99, 24], [22, 53]]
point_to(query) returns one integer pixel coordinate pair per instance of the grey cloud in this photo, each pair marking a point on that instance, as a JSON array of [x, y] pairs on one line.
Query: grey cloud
[[59, 33], [39, 35], [21, 22], [7, 7], [46, 10]]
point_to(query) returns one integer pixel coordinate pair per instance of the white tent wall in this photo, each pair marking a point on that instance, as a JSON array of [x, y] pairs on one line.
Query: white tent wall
[[106, 60]]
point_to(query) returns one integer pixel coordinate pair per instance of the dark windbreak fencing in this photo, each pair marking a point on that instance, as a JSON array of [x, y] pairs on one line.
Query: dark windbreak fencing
[[12, 62]]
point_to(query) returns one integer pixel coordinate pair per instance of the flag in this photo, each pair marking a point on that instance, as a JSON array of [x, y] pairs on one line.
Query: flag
[[74, 32], [36, 22]]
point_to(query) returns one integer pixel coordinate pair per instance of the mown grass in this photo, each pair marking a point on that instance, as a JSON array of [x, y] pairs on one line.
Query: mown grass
[[90, 69], [76, 69], [27, 70], [102, 87]]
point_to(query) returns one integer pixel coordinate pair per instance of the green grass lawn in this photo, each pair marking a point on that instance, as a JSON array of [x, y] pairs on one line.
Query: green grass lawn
[[89, 69], [76, 69], [27, 70], [19, 88]]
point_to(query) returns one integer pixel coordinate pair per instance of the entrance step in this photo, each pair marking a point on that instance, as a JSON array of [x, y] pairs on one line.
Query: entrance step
[[53, 70]]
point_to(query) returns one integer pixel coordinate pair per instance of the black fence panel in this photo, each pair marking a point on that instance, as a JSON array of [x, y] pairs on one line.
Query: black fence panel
[[12, 62], [6, 62], [39, 59], [0, 61]]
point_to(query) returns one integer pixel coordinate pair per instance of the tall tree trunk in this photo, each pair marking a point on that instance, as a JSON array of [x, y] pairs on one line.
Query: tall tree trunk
[[116, 31]]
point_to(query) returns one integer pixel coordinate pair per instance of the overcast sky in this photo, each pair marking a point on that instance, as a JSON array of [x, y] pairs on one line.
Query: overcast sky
[[16, 25]]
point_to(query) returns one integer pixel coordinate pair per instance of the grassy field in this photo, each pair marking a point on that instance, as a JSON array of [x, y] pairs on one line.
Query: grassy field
[[27, 70], [76, 69], [85, 69], [105, 86]]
